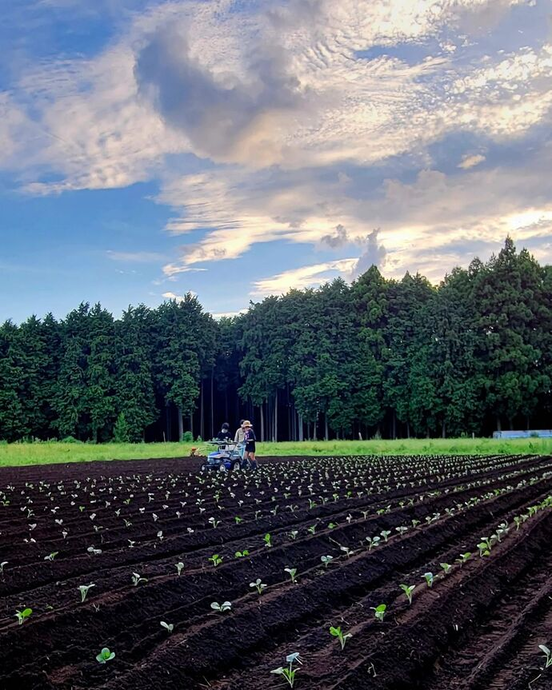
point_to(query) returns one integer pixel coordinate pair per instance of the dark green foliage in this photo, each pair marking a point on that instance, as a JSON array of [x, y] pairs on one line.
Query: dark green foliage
[[395, 358]]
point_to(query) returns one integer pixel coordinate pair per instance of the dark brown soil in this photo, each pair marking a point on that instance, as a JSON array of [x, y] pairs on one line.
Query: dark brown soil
[[477, 628]]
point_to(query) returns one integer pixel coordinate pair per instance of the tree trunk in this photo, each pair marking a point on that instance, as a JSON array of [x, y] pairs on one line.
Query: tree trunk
[[191, 423], [262, 421], [300, 425], [201, 412], [167, 422], [213, 403], [276, 417], [326, 434], [394, 428], [443, 430], [180, 424], [498, 424], [407, 429]]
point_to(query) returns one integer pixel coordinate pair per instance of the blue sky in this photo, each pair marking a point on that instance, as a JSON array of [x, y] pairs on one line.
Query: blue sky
[[237, 148]]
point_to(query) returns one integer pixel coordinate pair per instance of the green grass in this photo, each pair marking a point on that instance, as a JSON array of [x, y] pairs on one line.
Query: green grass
[[17, 454]]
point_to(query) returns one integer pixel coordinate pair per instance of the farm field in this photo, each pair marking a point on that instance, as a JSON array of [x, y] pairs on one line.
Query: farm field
[[246, 569], [22, 454]]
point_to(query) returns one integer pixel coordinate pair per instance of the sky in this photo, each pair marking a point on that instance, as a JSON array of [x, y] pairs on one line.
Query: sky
[[239, 148]]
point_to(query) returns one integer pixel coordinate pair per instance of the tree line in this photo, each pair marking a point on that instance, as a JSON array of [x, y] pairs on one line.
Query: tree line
[[396, 358]]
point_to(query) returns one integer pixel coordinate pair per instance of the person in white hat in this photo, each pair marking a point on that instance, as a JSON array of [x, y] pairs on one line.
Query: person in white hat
[[250, 446]]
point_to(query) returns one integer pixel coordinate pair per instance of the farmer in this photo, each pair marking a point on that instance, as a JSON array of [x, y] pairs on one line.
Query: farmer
[[249, 438], [224, 433], [239, 440]]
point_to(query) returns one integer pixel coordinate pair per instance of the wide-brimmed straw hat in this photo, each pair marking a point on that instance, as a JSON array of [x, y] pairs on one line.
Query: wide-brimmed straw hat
[[247, 423]]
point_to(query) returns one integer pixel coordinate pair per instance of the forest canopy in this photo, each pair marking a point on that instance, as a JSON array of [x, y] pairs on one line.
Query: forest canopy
[[385, 357]]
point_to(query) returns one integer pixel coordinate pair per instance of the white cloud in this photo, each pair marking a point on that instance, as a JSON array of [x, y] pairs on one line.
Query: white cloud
[[294, 121], [470, 161], [178, 298], [306, 276]]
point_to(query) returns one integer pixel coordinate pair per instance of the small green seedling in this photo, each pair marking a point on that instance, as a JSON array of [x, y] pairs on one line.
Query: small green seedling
[[216, 559], [464, 558], [429, 579], [289, 672], [268, 540], [221, 608], [379, 612], [83, 589], [347, 551], [179, 568], [169, 627], [259, 585], [548, 654], [51, 556], [23, 615], [293, 534], [385, 534], [373, 542], [105, 655], [292, 572], [483, 549], [408, 591], [326, 560], [446, 567], [2, 566], [241, 554], [213, 521], [341, 636], [311, 529], [238, 519], [332, 525], [137, 579]]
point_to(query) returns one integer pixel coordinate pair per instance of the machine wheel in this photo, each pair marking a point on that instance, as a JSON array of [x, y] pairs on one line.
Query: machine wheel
[[222, 467], [236, 465], [203, 468]]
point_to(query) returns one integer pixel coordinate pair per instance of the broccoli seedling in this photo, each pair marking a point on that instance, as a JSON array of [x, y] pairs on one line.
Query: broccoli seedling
[[326, 560], [213, 521], [137, 579], [373, 542], [216, 559], [548, 654], [268, 540], [464, 558], [51, 556], [483, 549], [241, 554], [347, 551], [2, 565], [446, 568], [83, 589], [259, 585], [105, 655], [292, 572], [379, 612], [311, 529], [408, 591], [169, 627], [23, 615], [429, 579], [341, 636], [385, 534], [238, 519], [289, 672], [221, 608], [179, 568], [293, 534]]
